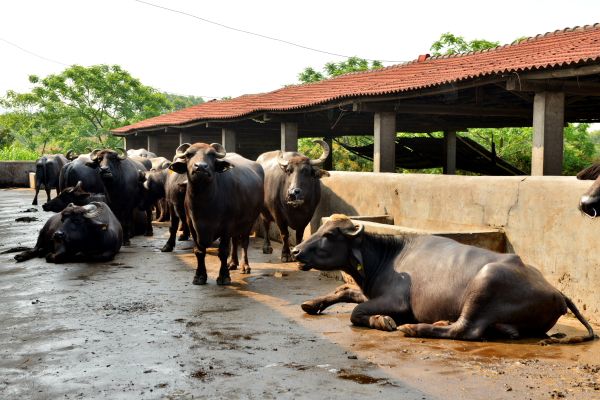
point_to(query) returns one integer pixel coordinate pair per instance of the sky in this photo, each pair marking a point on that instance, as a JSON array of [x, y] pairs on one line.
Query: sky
[[187, 55]]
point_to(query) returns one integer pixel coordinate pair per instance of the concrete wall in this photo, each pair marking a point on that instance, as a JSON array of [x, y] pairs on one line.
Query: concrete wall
[[15, 173], [539, 216]]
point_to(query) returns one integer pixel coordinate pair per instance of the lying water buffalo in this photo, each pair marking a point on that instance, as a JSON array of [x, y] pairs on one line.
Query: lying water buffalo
[[87, 233], [72, 195], [422, 282], [122, 178], [47, 171], [223, 199], [590, 201], [292, 193]]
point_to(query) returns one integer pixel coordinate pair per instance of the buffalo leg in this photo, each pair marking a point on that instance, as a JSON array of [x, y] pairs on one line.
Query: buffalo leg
[[149, 231], [461, 329], [224, 278], [286, 255], [48, 189], [267, 249], [234, 261], [37, 191], [245, 241], [200, 276], [170, 245], [342, 294], [180, 212], [379, 313]]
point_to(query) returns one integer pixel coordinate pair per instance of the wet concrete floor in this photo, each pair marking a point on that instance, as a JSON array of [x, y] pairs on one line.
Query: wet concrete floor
[[137, 328]]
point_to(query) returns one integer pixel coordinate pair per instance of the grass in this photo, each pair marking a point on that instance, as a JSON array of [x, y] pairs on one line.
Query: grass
[[17, 153]]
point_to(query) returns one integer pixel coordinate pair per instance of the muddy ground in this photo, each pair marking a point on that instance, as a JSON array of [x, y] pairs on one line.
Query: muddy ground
[[137, 328]]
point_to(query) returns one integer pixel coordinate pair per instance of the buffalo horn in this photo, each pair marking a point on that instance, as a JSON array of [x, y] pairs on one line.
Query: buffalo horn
[[92, 210], [283, 162], [180, 151], [219, 149], [69, 154], [325, 154], [358, 229], [93, 154], [123, 153]]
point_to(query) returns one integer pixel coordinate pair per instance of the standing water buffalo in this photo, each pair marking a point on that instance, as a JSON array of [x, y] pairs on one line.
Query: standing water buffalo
[[122, 178], [425, 281], [175, 189], [88, 233], [77, 171], [140, 153], [47, 171], [223, 199], [292, 193], [590, 201]]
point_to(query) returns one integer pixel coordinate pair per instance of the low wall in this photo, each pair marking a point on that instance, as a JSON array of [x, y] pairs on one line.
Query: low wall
[[538, 215], [15, 173]]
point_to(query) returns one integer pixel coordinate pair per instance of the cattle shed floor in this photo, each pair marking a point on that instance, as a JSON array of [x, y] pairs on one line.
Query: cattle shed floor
[[136, 328]]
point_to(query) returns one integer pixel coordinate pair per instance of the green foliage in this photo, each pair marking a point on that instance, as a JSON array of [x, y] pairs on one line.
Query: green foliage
[[177, 101], [343, 160], [16, 151], [332, 69], [78, 107], [449, 43]]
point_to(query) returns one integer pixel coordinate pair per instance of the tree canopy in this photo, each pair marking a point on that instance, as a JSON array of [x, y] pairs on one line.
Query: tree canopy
[[333, 69]]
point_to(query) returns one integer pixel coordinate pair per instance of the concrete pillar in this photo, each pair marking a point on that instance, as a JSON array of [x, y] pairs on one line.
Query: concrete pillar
[[384, 152], [229, 140], [449, 152], [185, 137], [125, 143], [548, 125], [289, 136], [153, 144], [328, 164]]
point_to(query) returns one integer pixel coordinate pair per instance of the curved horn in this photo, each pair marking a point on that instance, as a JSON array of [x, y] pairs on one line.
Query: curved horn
[[92, 210], [123, 153], [326, 151], [282, 162], [93, 154], [220, 150], [70, 156], [358, 229], [181, 150]]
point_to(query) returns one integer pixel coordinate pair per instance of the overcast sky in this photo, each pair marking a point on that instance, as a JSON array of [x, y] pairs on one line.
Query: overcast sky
[[181, 54]]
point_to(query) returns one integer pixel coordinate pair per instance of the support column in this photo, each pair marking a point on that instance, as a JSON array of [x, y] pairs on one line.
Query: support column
[[548, 125], [125, 143], [185, 137], [289, 136], [153, 144], [328, 164], [449, 152], [229, 139], [384, 151]]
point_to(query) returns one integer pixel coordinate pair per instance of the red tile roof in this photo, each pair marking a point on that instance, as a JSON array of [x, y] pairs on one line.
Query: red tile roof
[[551, 50]]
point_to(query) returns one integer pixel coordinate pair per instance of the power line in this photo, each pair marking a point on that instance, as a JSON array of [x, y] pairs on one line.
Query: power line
[[33, 54], [254, 33]]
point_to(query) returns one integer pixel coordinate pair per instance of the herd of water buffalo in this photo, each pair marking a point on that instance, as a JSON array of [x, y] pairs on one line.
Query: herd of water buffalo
[[425, 286]]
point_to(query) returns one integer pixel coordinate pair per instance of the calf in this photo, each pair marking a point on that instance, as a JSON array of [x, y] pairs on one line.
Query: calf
[[78, 233], [422, 282], [73, 195]]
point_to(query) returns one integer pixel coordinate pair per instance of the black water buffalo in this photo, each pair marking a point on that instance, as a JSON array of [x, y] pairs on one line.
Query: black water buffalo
[[292, 193], [175, 189], [73, 195], [223, 199], [77, 170], [47, 172], [434, 286], [590, 201], [140, 153], [122, 178], [78, 233], [153, 193]]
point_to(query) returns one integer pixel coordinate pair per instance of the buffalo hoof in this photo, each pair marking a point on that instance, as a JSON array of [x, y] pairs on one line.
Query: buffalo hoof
[[181, 238], [245, 269], [311, 307], [267, 250], [167, 248], [382, 322], [223, 280], [408, 329], [34, 203], [199, 280], [232, 266], [286, 258], [149, 233]]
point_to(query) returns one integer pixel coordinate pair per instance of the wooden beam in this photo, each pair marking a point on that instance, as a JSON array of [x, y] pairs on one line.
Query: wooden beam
[[563, 73], [554, 85], [460, 110], [449, 152]]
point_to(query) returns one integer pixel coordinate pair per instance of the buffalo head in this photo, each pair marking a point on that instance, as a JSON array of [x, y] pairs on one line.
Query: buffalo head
[[106, 161], [200, 161], [74, 194], [334, 246], [301, 172], [81, 226], [590, 201]]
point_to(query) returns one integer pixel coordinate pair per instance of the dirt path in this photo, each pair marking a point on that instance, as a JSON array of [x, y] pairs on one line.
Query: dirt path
[[137, 328]]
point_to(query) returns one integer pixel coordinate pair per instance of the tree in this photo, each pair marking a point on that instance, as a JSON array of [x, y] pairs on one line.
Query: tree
[[333, 69], [449, 44], [178, 101], [79, 106]]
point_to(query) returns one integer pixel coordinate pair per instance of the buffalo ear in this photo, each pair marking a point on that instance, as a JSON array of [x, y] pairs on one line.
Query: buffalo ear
[[222, 165], [320, 173], [100, 225], [179, 166]]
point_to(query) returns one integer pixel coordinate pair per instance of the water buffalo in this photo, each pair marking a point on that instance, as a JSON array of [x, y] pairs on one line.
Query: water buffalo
[[140, 153], [590, 201], [47, 171], [75, 195], [422, 282], [122, 178], [153, 193], [77, 170], [223, 199], [175, 189], [87, 233], [292, 193]]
